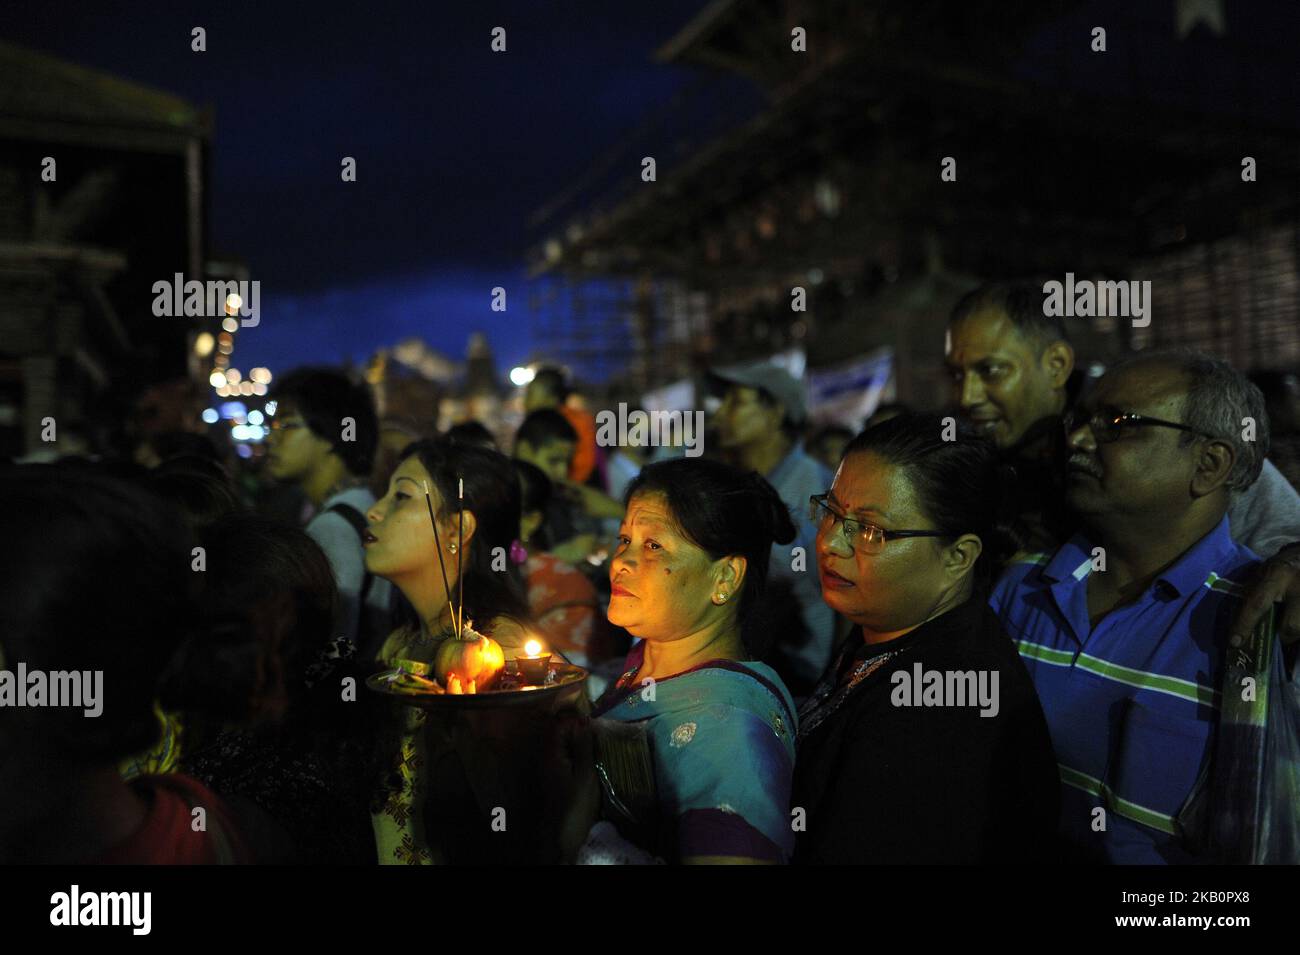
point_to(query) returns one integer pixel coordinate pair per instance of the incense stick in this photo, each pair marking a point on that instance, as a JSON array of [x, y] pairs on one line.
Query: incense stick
[[446, 588], [460, 550]]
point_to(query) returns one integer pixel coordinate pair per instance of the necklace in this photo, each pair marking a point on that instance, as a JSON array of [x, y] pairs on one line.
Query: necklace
[[435, 635], [870, 666], [830, 695]]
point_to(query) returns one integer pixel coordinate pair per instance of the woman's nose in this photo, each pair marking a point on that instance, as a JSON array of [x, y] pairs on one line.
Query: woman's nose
[[619, 562], [830, 541]]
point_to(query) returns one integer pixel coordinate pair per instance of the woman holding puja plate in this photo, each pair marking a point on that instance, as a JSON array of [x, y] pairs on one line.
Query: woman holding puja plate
[[691, 558], [438, 573]]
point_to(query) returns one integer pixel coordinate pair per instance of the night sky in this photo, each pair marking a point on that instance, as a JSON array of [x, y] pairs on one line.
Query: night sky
[[455, 145]]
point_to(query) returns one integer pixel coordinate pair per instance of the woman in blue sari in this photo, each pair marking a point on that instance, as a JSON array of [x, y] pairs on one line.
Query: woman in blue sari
[[691, 559]]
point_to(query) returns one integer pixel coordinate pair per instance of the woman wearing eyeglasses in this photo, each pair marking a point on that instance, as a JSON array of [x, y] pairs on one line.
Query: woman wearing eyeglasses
[[924, 742]]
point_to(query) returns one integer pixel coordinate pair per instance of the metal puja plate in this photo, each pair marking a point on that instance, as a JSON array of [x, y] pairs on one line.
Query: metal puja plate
[[564, 684]]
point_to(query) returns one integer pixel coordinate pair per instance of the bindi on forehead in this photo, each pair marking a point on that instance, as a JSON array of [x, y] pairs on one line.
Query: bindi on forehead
[[861, 511], [878, 491], [862, 483]]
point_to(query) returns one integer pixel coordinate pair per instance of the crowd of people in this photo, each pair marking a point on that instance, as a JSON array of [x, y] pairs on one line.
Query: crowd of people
[[1002, 631]]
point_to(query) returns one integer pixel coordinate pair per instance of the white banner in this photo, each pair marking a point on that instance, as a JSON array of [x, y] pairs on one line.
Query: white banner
[[847, 394], [679, 396]]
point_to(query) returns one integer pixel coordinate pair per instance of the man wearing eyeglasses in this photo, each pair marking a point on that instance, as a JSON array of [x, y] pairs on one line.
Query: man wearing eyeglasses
[[1125, 627], [311, 444], [1014, 377]]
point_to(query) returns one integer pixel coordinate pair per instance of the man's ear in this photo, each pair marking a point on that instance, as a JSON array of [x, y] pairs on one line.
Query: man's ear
[[959, 557], [1058, 362], [1214, 465]]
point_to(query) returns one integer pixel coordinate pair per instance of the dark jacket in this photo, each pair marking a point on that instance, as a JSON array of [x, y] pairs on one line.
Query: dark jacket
[[1040, 519], [886, 784]]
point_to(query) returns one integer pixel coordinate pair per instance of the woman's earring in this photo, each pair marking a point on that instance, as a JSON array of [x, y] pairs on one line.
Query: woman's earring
[[452, 548], [722, 598]]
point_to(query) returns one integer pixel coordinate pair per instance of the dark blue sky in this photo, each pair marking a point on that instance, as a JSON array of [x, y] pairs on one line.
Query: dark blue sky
[[456, 146]]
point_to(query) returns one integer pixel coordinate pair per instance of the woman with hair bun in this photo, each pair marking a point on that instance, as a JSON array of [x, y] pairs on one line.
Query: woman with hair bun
[[924, 742], [690, 560]]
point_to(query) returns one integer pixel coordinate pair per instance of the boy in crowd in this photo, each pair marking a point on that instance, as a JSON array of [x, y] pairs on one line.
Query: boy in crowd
[[579, 519], [323, 438]]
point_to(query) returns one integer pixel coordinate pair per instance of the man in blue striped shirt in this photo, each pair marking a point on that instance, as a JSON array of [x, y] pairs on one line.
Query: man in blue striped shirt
[[1125, 627]]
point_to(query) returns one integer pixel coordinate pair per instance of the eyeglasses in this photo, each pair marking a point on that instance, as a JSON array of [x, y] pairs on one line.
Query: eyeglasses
[[1107, 426], [871, 538]]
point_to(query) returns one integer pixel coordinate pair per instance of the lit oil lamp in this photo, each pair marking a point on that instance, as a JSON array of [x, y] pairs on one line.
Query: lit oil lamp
[[534, 663]]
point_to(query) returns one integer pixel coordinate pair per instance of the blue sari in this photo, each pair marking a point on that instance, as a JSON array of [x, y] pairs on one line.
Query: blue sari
[[721, 737]]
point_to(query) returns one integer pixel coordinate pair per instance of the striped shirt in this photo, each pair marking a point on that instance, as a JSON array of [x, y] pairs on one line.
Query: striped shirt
[[1131, 704]]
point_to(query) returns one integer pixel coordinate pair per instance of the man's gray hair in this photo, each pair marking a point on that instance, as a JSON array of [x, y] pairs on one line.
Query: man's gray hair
[[1220, 401]]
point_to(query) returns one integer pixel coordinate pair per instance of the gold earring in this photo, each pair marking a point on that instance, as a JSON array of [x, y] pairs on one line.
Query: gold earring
[[452, 548]]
